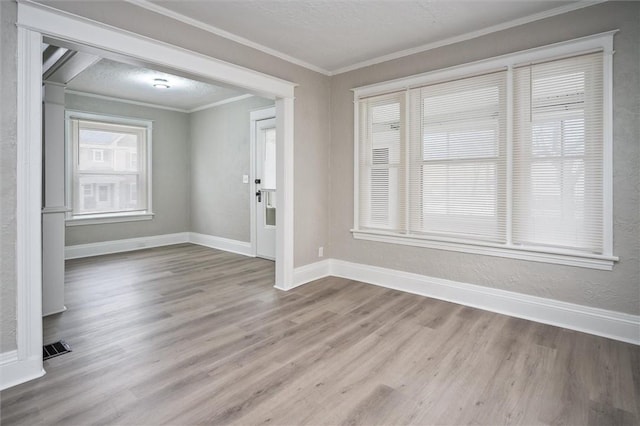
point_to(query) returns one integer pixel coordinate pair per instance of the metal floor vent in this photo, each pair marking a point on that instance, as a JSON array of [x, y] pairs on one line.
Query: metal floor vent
[[53, 350]]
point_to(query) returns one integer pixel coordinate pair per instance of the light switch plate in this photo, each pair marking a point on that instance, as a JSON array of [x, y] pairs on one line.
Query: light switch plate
[[245, 178]]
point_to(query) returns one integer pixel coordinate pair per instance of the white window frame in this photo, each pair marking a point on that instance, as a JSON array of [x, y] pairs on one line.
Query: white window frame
[[100, 218], [98, 158], [602, 42]]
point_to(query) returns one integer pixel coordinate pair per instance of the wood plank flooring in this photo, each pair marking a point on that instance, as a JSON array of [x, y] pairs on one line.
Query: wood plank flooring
[[189, 335]]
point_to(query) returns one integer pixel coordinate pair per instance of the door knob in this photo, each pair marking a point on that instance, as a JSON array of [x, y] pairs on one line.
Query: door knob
[[259, 195]]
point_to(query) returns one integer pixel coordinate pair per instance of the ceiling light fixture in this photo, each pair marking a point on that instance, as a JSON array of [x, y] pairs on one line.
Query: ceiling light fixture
[[160, 83]]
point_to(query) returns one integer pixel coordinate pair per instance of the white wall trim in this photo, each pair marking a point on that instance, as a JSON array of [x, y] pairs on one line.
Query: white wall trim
[[220, 243], [14, 371], [8, 357], [600, 322], [27, 363], [311, 272], [131, 244], [225, 34], [102, 219], [532, 254], [117, 246], [284, 193], [222, 102], [468, 36], [125, 101], [157, 106]]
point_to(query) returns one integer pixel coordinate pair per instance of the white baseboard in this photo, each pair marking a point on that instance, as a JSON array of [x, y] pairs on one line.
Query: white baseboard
[[57, 311], [129, 244], [14, 371], [8, 357], [226, 244], [601, 322], [311, 272]]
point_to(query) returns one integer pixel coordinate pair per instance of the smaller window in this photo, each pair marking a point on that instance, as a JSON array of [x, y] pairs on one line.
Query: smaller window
[[98, 156], [110, 177]]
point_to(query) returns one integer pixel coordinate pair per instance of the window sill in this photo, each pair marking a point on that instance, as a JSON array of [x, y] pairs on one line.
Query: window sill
[[97, 219], [558, 257]]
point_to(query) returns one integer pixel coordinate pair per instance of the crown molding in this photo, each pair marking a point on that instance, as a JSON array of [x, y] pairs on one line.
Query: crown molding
[[145, 4], [468, 36], [222, 102], [125, 101], [157, 106]]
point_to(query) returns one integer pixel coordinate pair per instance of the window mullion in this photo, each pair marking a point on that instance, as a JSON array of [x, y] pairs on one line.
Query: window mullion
[[509, 153], [407, 164]]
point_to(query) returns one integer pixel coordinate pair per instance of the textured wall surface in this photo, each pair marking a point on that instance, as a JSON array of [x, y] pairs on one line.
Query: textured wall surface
[[312, 132], [170, 173], [220, 142], [8, 127], [618, 290]]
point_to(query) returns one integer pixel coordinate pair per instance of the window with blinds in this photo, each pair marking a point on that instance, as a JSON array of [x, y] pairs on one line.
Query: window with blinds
[[458, 158], [513, 158], [382, 163], [558, 154], [109, 173]]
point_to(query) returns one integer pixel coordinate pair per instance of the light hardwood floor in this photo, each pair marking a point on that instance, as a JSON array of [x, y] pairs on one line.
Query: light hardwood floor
[[190, 335]]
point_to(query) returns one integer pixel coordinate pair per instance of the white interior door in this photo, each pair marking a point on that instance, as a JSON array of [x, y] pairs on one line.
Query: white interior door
[[265, 198]]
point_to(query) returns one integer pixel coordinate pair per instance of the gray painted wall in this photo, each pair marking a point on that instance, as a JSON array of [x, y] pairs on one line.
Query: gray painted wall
[[618, 290], [8, 128], [312, 132], [220, 142], [170, 173]]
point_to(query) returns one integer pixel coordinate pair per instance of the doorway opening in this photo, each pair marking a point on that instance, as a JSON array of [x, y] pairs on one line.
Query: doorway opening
[[36, 22]]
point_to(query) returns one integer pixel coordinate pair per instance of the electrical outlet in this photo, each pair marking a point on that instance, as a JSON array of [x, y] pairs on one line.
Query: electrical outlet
[[320, 251]]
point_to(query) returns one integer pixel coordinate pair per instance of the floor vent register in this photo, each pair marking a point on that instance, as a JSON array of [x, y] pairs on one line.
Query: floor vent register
[[53, 350]]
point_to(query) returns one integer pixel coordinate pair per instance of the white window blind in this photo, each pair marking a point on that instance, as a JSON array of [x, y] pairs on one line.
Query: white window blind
[[458, 158], [558, 154], [382, 163]]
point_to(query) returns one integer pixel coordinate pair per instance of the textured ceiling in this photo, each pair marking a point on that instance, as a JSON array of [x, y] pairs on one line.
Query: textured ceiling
[[336, 34], [115, 79]]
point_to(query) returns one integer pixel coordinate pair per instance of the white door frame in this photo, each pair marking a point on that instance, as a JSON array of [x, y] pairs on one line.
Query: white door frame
[[36, 20], [254, 116]]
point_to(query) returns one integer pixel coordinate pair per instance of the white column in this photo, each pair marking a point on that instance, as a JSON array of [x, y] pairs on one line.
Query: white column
[[54, 209]]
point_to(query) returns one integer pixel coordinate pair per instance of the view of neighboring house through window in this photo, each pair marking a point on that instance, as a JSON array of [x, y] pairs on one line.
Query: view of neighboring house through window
[[109, 173]]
